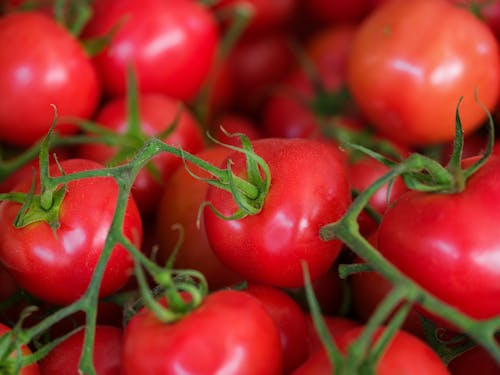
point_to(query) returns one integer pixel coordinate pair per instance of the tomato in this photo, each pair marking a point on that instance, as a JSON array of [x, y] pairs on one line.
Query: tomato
[[171, 45], [32, 369], [269, 247], [328, 289], [336, 326], [65, 357], [290, 320], [267, 16], [339, 11], [475, 360], [488, 11], [450, 234], [368, 289], [179, 203], [255, 65], [364, 171], [405, 354], [47, 66], [408, 83], [56, 266], [233, 123], [157, 113], [292, 111], [230, 333]]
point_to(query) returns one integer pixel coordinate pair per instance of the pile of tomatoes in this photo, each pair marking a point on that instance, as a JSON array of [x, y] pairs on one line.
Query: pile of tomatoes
[[249, 187]]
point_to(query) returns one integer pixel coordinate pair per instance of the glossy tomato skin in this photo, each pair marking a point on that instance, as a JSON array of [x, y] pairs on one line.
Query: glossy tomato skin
[[171, 45], [308, 190], [405, 354], [32, 369], [290, 320], [229, 331], [65, 357], [408, 83], [157, 113], [57, 266], [430, 235], [179, 203], [47, 66], [363, 172]]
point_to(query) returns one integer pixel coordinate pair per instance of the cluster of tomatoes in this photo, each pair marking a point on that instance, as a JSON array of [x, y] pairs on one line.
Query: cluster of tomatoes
[[171, 170]]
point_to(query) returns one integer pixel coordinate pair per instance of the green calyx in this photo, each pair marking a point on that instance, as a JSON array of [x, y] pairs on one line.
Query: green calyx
[[32, 210], [249, 193]]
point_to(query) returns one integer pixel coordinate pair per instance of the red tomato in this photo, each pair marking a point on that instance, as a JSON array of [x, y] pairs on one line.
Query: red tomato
[[336, 326], [361, 174], [32, 369], [157, 113], [233, 123], [229, 333], [300, 201], [255, 65], [56, 266], [339, 11], [409, 66], [179, 204], [368, 289], [47, 66], [171, 45], [452, 234], [267, 16], [290, 320], [405, 354], [474, 361], [64, 358], [292, 111]]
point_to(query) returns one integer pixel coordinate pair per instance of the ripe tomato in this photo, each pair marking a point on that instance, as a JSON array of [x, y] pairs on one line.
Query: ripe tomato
[[32, 369], [339, 11], [290, 320], [269, 247], [157, 112], [233, 123], [56, 266], [255, 64], [65, 357], [229, 333], [179, 204], [474, 361], [361, 173], [47, 66], [408, 67], [267, 16], [171, 45], [428, 235], [405, 354]]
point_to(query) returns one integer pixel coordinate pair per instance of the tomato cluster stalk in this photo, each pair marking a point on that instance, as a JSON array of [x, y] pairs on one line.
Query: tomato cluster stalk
[[418, 171]]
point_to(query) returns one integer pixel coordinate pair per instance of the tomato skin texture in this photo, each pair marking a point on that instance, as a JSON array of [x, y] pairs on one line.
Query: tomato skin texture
[[362, 173], [405, 354], [50, 68], [269, 247], [430, 235], [408, 83], [171, 45], [179, 204], [229, 331], [58, 269], [64, 358], [290, 320], [157, 113]]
